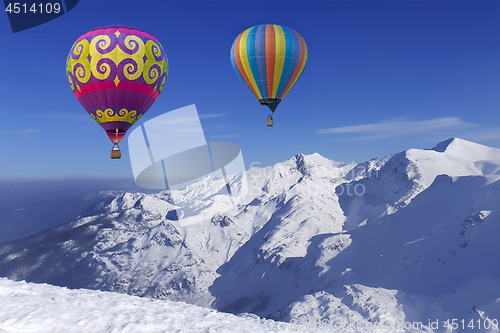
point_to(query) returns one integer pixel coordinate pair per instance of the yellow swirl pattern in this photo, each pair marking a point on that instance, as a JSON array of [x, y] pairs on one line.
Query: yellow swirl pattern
[[99, 42], [131, 42], [71, 82], [151, 75], [107, 57], [81, 66], [109, 115], [130, 71]]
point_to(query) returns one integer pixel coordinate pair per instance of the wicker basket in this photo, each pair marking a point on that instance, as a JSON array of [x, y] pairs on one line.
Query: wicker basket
[[269, 121], [116, 154]]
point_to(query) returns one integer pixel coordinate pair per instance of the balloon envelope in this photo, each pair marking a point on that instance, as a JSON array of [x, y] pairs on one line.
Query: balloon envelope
[[116, 72], [269, 59]]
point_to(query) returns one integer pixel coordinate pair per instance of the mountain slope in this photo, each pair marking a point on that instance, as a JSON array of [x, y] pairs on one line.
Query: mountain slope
[[28, 307], [407, 236]]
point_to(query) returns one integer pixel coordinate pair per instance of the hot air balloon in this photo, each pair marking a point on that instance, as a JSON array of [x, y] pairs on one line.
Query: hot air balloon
[[117, 72], [269, 59]]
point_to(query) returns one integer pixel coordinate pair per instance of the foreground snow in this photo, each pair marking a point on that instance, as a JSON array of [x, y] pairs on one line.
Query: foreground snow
[[28, 307]]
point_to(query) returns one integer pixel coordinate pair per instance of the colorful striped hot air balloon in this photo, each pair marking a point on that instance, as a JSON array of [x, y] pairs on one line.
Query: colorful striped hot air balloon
[[269, 59], [116, 72]]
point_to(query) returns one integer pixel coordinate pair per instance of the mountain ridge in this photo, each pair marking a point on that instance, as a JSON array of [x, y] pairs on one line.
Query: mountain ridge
[[309, 231]]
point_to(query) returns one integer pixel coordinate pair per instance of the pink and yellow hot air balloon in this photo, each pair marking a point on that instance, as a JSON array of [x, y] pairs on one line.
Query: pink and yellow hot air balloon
[[117, 72], [269, 59]]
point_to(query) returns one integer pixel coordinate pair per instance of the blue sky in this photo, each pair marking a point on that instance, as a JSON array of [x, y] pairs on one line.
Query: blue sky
[[382, 77]]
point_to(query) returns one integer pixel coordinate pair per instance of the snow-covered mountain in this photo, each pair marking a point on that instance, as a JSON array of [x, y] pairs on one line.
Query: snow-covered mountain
[[409, 237], [28, 307]]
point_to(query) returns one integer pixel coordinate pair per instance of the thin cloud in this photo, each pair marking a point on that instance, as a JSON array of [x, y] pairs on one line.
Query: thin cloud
[[401, 128], [486, 134], [211, 115]]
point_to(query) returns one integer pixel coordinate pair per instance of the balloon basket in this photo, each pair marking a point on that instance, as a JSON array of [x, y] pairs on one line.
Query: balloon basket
[[269, 121], [115, 152]]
